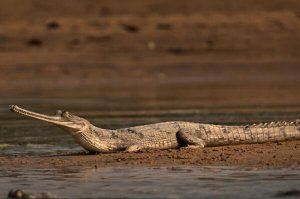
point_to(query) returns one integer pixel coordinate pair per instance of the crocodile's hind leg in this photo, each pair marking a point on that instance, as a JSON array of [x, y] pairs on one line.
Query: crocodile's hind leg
[[189, 139], [134, 148]]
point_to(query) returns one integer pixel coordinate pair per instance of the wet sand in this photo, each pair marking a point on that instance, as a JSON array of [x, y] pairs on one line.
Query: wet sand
[[281, 154], [199, 54]]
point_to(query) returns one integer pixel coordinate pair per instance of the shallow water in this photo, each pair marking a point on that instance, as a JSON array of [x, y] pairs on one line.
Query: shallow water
[[24, 136], [166, 182]]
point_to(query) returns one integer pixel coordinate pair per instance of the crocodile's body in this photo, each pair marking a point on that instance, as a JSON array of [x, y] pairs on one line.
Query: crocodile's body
[[166, 135]]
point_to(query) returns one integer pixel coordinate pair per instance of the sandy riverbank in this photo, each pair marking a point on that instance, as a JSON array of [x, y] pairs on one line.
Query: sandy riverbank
[[282, 154]]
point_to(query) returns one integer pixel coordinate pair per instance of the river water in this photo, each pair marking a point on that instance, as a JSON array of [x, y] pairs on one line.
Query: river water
[[23, 136], [165, 182]]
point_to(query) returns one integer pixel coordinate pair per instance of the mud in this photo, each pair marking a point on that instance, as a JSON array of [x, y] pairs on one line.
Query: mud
[[282, 154]]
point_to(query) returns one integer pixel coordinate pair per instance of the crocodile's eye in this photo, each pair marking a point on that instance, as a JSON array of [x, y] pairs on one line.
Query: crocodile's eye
[[66, 114], [58, 113]]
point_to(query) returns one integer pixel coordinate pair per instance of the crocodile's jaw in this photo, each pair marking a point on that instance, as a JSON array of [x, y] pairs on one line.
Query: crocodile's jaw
[[61, 119]]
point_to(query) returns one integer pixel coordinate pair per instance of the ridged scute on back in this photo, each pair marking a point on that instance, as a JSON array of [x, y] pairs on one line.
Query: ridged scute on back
[[275, 124]]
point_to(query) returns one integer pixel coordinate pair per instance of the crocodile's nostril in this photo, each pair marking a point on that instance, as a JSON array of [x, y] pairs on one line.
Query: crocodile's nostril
[[12, 107]]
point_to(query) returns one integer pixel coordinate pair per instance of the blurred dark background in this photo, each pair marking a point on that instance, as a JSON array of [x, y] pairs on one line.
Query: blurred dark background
[[189, 53]]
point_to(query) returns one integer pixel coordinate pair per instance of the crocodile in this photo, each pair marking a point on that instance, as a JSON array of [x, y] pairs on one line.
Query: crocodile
[[165, 135]]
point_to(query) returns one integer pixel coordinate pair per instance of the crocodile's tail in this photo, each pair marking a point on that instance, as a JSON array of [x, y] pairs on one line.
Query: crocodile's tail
[[257, 133]]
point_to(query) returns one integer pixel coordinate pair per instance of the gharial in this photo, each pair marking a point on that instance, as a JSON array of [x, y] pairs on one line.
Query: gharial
[[166, 135]]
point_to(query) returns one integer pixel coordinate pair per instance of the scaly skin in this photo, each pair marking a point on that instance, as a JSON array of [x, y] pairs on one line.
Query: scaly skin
[[166, 135]]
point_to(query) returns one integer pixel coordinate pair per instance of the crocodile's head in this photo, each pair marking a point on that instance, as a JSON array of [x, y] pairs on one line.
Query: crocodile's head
[[63, 119]]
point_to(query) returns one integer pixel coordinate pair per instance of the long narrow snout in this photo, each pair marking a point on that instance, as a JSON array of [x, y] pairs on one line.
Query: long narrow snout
[[58, 120]]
